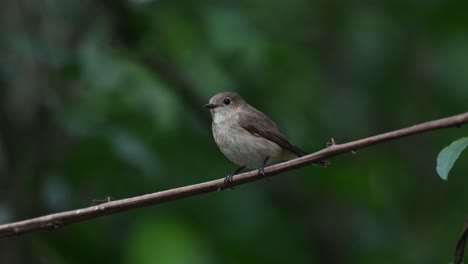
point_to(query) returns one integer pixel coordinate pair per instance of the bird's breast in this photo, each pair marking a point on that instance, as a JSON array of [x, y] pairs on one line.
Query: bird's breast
[[243, 147]]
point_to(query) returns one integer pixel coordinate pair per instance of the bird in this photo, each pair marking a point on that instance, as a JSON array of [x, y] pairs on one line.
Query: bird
[[246, 136]]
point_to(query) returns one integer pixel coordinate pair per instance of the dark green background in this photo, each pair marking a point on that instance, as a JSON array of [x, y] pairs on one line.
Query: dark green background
[[104, 98]]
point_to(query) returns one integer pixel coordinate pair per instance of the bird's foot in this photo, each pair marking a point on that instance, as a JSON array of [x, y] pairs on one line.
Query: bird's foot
[[261, 170], [229, 178]]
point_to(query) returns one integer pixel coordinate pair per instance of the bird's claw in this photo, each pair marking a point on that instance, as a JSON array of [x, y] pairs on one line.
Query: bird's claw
[[226, 182], [228, 178], [261, 171]]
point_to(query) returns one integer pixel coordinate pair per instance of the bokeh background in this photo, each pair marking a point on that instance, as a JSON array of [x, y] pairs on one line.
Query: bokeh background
[[104, 98]]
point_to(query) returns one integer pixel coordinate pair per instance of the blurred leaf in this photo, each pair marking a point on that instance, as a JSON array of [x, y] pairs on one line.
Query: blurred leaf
[[453, 59], [136, 153], [449, 155], [55, 192], [165, 241], [5, 213]]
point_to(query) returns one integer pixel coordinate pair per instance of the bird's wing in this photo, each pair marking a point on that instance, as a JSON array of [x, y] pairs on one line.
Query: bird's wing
[[255, 122]]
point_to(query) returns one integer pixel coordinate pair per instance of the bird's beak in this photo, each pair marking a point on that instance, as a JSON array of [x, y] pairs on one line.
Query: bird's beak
[[210, 106]]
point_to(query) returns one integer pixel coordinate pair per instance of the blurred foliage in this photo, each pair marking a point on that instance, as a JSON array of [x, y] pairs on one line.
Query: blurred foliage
[[103, 98]]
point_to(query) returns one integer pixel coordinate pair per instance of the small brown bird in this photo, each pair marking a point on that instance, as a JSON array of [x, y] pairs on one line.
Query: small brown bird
[[246, 136]]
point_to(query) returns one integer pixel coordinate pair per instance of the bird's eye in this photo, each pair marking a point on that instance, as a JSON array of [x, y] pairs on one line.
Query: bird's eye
[[227, 101]]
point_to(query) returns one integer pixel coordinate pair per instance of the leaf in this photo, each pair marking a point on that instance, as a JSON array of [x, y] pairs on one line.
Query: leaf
[[449, 155]]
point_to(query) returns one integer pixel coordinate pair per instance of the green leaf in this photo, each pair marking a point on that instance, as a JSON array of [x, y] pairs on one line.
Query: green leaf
[[449, 155]]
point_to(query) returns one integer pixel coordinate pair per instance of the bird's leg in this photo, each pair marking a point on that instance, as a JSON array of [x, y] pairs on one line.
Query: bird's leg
[[261, 170], [228, 178]]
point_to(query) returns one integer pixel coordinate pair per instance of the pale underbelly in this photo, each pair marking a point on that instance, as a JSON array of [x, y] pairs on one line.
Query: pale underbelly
[[246, 149]]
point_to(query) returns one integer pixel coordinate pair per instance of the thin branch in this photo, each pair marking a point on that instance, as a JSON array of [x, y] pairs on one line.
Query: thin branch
[[54, 221], [460, 249]]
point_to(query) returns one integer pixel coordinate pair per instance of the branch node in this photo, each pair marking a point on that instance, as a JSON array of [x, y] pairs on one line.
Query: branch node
[[101, 201], [331, 143]]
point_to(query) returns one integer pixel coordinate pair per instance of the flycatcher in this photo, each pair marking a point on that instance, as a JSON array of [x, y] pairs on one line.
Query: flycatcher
[[246, 136]]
